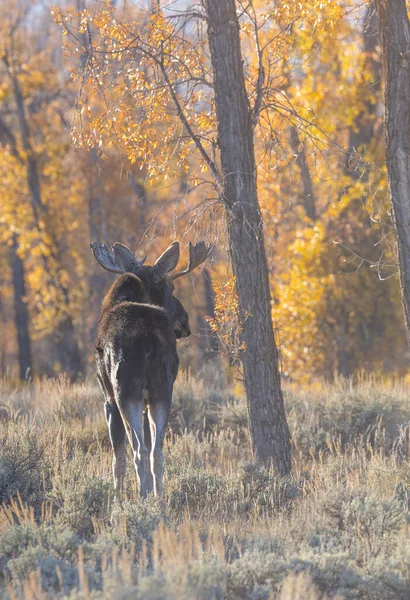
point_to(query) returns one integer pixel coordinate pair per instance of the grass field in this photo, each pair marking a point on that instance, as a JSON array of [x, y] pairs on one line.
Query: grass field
[[339, 527]]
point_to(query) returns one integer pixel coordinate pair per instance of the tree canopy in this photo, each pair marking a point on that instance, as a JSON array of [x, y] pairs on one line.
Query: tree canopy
[[133, 90]]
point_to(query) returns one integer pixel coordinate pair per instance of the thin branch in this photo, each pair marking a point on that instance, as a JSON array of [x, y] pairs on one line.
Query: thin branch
[[261, 72], [187, 126], [8, 138]]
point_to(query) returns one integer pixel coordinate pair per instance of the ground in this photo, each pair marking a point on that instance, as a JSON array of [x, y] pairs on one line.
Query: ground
[[338, 527]]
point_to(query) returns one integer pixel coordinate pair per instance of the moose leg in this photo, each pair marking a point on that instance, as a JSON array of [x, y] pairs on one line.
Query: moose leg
[[116, 430], [148, 444], [132, 414], [158, 417], [117, 436]]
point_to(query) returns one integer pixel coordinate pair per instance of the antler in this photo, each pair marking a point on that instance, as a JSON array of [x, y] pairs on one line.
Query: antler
[[121, 254], [197, 255], [122, 260], [104, 257]]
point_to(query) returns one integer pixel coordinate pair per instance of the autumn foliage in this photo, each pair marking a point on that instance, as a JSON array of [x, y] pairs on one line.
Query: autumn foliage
[[133, 91]]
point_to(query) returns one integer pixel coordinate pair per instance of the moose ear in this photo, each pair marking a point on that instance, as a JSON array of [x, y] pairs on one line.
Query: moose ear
[[123, 257], [167, 261]]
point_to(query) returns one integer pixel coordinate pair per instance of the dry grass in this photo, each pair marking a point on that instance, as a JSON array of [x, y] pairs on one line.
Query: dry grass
[[337, 528]]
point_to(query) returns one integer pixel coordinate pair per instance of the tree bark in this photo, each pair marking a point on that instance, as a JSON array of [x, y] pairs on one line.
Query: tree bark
[[395, 36], [21, 313], [268, 426]]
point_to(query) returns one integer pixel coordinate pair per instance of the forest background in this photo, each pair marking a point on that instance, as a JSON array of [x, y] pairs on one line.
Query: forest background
[[322, 182]]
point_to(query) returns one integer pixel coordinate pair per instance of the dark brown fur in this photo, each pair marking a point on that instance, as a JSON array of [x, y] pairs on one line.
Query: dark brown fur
[[137, 363], [136, 354]]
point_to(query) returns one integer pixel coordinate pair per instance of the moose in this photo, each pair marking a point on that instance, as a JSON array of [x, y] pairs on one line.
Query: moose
[[136, 355]]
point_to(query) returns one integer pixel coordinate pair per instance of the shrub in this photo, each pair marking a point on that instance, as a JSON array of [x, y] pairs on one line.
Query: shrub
[[343, 414], [374, 522], [196, 402], [197, 492], [224, 528], [136, 520], [81, 505], [262, 489], [25, 467], [27, 547]]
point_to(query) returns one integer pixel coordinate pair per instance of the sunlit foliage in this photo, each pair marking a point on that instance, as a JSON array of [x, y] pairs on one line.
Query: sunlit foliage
[[136, 91]]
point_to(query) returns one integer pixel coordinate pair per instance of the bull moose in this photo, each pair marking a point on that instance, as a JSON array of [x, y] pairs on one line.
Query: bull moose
[[136, 355]]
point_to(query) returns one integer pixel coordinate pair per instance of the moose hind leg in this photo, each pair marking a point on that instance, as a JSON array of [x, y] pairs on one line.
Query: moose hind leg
[[158, 417], [131, 408], [117, 437], [148, 445]]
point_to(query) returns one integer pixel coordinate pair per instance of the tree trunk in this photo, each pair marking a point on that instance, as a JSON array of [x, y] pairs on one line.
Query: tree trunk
[[362, 131], [21, 313], [3, 321], [309, 200], [65, 338], [395, 36], [268, 426], [212, 338], [208, 339], [140, 192], [97, 278]]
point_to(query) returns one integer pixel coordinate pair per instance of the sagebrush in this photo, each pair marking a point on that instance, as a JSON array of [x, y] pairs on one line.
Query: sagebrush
[[224, 528]]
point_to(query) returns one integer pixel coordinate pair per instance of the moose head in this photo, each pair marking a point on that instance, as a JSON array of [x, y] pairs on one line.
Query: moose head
[[157, 279]]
